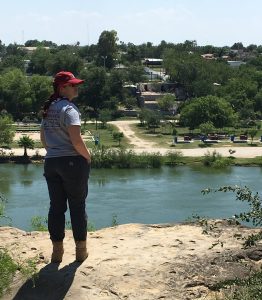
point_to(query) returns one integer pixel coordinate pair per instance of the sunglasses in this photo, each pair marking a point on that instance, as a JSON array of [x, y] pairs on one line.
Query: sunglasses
[[71, 85]]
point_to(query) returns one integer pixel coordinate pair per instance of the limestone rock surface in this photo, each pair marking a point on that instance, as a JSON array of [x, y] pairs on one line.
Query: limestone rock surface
[[135, 262]]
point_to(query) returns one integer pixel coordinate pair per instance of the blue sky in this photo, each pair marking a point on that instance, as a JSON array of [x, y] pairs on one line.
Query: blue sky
[[216, 22]]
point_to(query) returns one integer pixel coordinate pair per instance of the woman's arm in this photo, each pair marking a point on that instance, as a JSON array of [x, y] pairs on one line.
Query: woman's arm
[[42, 137], [77, 141]]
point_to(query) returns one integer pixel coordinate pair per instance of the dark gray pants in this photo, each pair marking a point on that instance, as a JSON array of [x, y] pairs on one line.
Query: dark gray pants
[[67, 181]]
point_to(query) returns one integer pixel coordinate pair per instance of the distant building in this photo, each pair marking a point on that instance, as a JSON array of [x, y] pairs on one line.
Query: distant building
[[153, 61], [30, 50], [235, 63], [208, 56]]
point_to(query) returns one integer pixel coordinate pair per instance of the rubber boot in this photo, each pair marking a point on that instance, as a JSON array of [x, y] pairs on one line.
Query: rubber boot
[[58, 251], [81, 251]]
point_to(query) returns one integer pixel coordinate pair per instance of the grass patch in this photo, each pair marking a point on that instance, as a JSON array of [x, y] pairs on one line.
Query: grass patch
[[215, 160], [105, 136], [244, 289], [39, 223], [160, 139], [7, 270], [162, 136]]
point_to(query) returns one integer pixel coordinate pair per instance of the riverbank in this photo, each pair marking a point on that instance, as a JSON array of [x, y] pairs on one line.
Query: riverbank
[[238, 152], [136, 261], [139, 145]]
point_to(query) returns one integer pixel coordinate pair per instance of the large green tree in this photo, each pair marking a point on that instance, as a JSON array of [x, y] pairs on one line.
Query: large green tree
[[107, 49], [116, 81], [7, 130], [196, 74], [38, 61], [208, 109], [12, 61], [15, 92], [135, 74], [167, 102], [64, 60], [93, 91], [40, 89]]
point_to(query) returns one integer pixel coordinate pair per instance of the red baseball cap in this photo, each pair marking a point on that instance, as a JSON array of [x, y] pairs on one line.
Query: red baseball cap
[[63, 78]]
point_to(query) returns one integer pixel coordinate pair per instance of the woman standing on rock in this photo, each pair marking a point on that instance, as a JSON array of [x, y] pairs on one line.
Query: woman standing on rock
[[67, 165]]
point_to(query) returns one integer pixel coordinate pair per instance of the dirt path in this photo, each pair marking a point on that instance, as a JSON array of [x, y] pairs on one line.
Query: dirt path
[[138, 143]]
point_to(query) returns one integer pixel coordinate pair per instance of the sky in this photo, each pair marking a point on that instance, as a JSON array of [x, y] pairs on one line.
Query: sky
[[209, 22]]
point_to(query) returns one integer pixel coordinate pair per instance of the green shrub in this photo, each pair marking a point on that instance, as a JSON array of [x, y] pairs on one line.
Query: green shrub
[[114, 220], [249, 288], [103, 157], [155, 160], [7, 270], [215, 160], [91, 226], [244, 289], [3, 200], [39, 223], [172, 158]]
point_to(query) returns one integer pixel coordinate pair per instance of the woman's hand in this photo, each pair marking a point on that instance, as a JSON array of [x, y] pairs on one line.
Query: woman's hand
[[78, 143]]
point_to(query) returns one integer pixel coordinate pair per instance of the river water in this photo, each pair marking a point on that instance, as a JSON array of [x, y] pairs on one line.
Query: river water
[[133, 196]]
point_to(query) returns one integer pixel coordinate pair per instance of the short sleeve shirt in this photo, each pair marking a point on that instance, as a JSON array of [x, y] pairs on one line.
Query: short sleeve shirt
[[61, 114]]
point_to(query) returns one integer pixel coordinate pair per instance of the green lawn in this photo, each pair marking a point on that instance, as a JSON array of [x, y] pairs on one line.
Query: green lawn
[[105, 135], [163, 138]]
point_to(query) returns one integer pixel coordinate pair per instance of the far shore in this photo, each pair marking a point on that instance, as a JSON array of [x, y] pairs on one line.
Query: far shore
[[139, 145], [239, 152]]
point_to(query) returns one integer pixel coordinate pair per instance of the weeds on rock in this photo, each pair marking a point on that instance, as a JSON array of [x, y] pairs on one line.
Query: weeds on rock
[[250, 288], [7, 270]]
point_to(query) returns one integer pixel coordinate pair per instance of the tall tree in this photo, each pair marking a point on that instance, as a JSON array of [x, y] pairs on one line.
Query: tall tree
[[38, 61], [2, 49], [7, 131], [92, 93], [64, 60], [107, 49], [40, 89], [116, 82], [15, 93], [135, 73], [13, 61], [208, 109]]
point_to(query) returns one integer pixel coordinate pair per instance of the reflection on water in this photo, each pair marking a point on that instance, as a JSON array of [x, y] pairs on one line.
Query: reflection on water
[[27, 182], [140, 195]]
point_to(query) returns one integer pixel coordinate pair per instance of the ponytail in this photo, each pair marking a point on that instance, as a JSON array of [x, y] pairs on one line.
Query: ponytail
[[52, 97]]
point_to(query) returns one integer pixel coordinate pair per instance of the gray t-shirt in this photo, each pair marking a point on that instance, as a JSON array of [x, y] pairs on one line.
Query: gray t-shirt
[[60, 115]]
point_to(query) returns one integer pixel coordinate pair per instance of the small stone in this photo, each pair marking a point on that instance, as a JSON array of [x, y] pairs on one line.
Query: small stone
[[255, 255]]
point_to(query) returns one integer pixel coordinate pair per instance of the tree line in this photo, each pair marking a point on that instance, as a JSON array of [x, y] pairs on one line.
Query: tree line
[[209, 85]]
